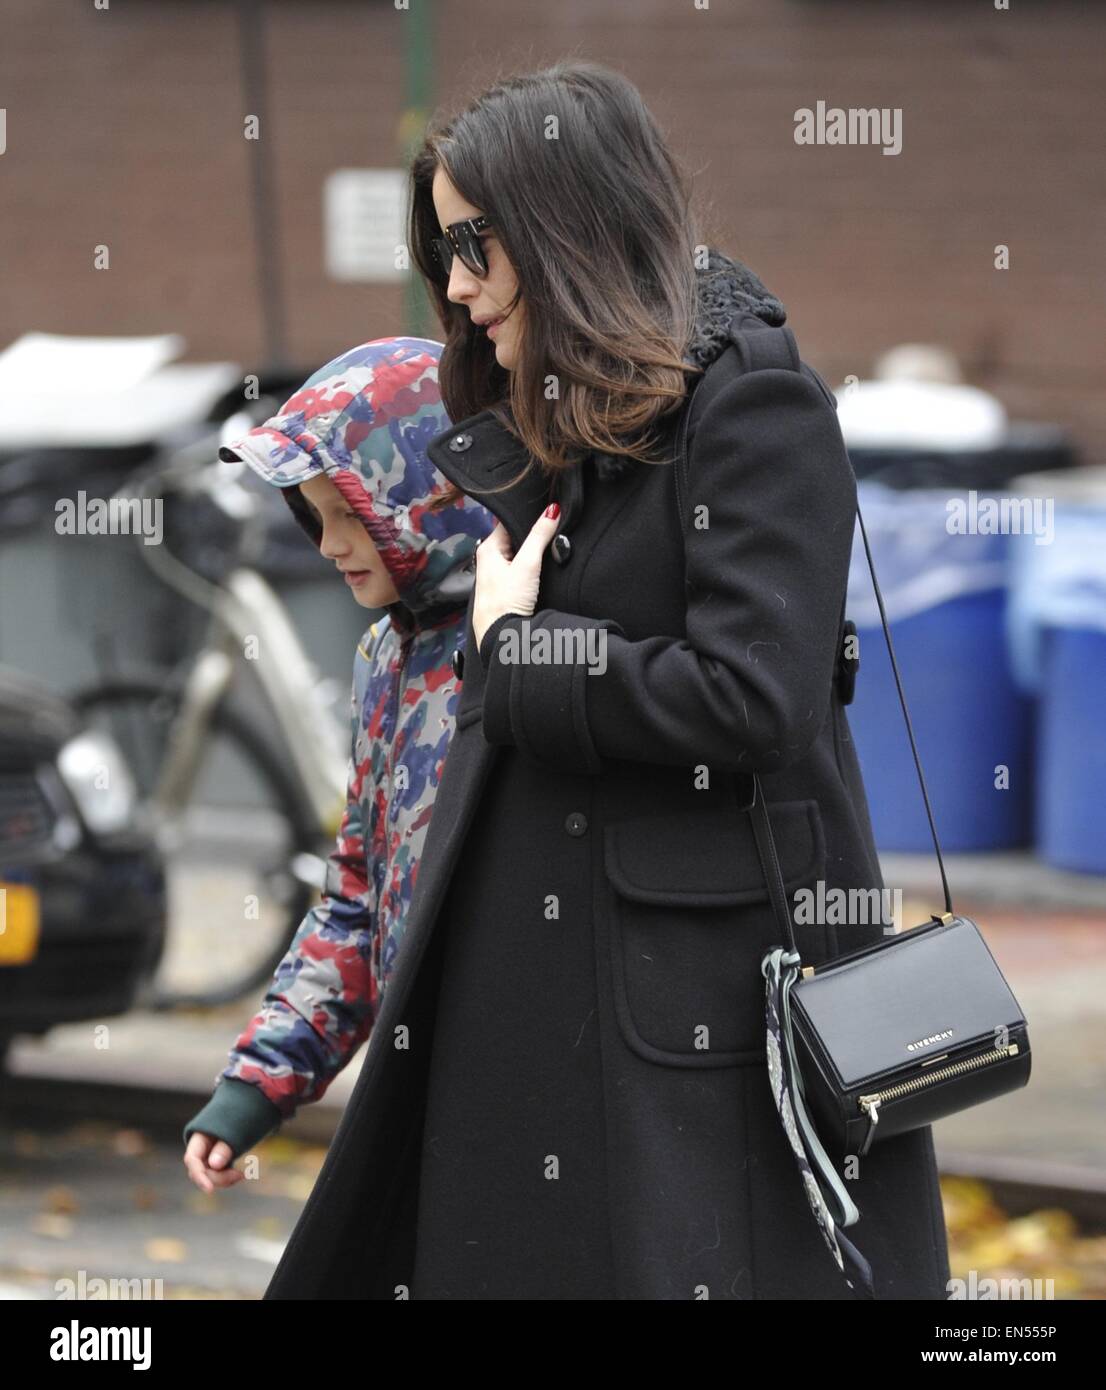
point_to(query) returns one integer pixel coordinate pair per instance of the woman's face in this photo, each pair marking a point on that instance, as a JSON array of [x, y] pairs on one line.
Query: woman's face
[[348, 544], [487, 298]]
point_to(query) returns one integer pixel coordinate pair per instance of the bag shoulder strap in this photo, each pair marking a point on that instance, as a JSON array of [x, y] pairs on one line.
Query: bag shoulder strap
[[760, 347]]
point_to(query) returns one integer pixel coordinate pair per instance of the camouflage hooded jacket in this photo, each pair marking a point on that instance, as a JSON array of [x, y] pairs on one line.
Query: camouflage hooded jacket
[[364, 420]]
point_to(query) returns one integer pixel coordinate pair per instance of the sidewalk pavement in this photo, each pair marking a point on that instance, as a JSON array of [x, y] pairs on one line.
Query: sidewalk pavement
[[1047, 932]]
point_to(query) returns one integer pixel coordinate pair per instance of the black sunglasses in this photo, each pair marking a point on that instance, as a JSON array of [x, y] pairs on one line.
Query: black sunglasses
[[464, 239]]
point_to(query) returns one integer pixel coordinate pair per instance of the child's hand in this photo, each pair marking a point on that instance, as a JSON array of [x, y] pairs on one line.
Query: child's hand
[[505, 584], [208, 1161]]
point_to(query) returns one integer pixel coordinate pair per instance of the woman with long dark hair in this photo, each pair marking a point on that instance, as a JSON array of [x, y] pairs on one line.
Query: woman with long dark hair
[[566, 1093]]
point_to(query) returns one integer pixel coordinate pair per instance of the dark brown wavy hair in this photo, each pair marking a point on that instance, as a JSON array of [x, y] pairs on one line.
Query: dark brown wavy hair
[[594, 216]]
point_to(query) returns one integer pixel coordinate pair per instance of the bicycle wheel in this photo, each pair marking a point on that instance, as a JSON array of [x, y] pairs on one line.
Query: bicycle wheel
[[239, 858]]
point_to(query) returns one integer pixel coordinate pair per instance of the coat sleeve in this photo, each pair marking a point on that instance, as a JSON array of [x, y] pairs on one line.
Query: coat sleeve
[[771, 513], [323, 999]]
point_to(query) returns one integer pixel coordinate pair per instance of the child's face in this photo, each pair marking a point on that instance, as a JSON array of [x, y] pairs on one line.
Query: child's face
[[348, 544]]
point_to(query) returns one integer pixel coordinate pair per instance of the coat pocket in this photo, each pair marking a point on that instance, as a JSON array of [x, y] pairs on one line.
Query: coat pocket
[[690, 921]]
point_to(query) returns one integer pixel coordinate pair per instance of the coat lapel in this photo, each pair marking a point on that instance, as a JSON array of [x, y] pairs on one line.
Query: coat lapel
[[480, 453]]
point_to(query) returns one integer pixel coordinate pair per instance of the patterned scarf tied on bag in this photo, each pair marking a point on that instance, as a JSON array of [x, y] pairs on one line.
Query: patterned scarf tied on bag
[[780, 969]]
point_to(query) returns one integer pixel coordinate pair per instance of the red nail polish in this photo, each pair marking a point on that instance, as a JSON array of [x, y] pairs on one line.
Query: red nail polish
[[553, 511]]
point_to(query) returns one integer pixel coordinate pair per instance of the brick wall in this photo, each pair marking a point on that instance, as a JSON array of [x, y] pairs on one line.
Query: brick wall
[[125, 128]]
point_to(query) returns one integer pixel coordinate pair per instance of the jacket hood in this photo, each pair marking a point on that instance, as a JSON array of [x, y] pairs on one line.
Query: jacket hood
[[725, 287], [364, 420]]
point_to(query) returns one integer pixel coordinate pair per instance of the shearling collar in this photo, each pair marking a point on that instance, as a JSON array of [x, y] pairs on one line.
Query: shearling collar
[[726, 287]]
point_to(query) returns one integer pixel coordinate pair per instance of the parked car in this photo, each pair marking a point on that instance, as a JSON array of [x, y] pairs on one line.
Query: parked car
[[82, 886]]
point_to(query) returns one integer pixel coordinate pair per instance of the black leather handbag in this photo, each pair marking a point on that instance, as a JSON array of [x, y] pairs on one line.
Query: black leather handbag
[[889, 1037]]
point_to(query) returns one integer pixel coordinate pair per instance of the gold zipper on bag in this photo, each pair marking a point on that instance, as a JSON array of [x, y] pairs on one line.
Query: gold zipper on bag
[[870, 1104]]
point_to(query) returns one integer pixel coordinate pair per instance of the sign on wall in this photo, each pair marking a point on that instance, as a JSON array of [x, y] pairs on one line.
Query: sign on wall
[[363, 224]]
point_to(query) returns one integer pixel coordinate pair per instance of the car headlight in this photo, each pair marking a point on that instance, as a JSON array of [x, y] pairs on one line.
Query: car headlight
[[98, 779]]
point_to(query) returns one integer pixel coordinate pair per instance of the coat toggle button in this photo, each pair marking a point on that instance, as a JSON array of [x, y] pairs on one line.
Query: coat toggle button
[[561, 547], [458, 663]]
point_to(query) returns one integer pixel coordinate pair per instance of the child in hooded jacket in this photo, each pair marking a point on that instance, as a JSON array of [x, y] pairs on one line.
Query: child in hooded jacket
[[348, 451]]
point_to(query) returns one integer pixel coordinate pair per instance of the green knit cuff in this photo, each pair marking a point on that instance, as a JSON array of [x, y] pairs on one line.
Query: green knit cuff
[[238, 1113]]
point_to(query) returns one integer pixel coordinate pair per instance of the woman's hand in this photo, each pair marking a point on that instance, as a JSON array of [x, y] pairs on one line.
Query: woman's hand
[[505, 584], [208, 1161]]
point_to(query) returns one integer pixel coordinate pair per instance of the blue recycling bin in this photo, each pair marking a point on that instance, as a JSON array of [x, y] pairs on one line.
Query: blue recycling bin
[[945, 596], [1058, 638], [1071, 810]]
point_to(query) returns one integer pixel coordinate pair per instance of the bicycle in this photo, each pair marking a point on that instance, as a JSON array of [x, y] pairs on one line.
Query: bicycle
[[224, 799]]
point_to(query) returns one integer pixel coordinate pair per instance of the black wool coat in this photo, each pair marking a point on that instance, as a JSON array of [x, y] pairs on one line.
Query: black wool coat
[[565, 1094]]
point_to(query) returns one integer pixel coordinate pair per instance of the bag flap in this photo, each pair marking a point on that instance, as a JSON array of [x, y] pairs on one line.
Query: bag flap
[[908, 1002]]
